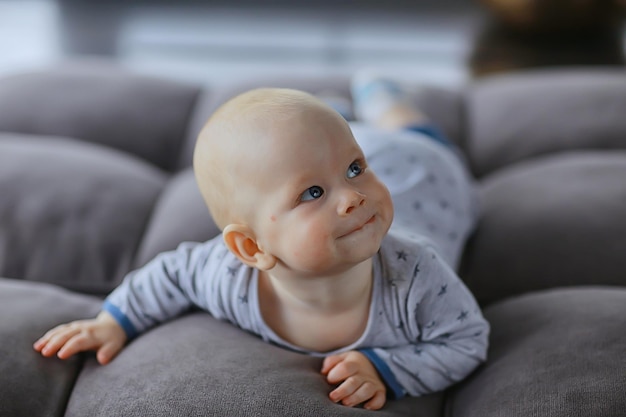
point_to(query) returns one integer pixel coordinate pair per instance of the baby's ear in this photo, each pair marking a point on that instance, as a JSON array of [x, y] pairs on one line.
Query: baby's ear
[[241, 241]]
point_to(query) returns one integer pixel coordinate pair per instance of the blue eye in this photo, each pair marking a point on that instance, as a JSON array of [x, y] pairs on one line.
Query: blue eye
[[312, 193], [354, 170]]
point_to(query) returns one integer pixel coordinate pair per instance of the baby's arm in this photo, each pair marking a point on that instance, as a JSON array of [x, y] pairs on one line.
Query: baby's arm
[[357, 378], [161, 290], [449, 332], [102, 334], [165, 288]]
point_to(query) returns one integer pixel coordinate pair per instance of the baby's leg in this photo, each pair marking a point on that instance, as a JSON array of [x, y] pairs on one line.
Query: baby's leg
[[432, 190], [384, 103]]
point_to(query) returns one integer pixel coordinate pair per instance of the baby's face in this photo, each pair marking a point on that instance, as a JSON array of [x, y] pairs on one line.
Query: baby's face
[[318, 207]]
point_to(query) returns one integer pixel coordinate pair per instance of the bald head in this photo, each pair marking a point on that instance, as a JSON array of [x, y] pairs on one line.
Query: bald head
[[236, 140]]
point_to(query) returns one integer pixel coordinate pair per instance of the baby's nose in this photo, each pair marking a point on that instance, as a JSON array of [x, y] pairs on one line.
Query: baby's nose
[[349, 201]]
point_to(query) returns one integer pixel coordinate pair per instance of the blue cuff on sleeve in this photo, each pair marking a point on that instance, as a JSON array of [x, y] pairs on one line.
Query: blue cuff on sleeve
[[121, 318], [385, 372]]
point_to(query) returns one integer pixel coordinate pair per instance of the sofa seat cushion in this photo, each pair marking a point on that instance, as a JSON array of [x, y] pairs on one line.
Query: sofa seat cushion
[[556, 353], [72, 213], [199, 366], [32, 385]]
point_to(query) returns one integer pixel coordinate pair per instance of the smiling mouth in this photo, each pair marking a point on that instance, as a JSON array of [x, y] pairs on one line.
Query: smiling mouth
[[369, 221]]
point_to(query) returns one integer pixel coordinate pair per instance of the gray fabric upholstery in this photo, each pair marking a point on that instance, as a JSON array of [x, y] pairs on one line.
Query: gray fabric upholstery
[[31, 385], [198, 366], [518, 116], [549, 222], [170, 222], [96, 179], [557, 353], [71, 213], [443, 106], [100, 103]]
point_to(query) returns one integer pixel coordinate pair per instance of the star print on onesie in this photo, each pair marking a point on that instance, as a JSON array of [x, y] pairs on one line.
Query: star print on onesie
[[425, 330]]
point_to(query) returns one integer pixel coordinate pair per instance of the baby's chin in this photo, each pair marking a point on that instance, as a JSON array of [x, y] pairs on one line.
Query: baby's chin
[[361, 253], [338, 265]]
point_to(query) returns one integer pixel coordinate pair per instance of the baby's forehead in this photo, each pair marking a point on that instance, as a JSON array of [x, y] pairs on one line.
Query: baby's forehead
[[263, 99], [272, 120]]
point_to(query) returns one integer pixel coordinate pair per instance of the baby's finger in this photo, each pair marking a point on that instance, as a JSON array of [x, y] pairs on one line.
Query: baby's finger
[[347, 388], [377, 401], [57, 340], [39, 344], [107, 352], [80, 342], [363, 393], [330, 362], [43, 340], [342, 371]]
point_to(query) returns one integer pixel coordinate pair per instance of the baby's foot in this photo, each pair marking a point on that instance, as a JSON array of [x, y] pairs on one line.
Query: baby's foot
[[383, 102], [374, 95]]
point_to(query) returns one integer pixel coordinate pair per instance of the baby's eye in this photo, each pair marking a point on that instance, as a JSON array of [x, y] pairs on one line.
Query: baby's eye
[[312, 193], [354, 170]]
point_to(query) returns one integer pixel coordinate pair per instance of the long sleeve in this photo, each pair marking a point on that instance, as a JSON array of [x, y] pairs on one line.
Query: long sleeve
[[438, 316], [171, 284]]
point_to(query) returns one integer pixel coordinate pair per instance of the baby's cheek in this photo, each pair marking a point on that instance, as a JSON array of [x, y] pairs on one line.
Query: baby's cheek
[[312, 249]]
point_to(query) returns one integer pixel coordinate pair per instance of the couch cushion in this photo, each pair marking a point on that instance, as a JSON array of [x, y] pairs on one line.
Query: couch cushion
[[71, 213], [179, 215], [101, 103], [31, 385], [558, 353], [443, 106], [550, 222], [517, 116], [198, 366]]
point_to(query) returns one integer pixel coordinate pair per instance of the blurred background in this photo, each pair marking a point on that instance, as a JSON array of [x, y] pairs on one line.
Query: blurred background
[[443, 42]]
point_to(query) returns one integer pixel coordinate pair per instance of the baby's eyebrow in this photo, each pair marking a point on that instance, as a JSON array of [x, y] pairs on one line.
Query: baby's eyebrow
[[361, 158], [300, 181], [296, 186]]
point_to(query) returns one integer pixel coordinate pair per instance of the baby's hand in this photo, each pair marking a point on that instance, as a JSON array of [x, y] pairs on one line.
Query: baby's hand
[[358, 379], [102, 334]]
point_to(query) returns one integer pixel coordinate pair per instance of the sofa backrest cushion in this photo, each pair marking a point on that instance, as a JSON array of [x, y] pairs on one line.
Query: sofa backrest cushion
[[72, 213], [513, 117], [553, 221], [101, 103]]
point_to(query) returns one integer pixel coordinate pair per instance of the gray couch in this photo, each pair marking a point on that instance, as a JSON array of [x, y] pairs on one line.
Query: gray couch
[[95, 180]]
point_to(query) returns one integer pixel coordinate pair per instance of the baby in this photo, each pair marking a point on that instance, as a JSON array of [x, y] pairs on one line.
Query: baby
[[310, 257]]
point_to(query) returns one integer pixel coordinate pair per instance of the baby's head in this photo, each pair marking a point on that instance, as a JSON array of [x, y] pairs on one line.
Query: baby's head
[[288, 185]]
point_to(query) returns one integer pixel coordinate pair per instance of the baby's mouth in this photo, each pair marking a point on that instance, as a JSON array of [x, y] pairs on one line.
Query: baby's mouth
[[369, 221]]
